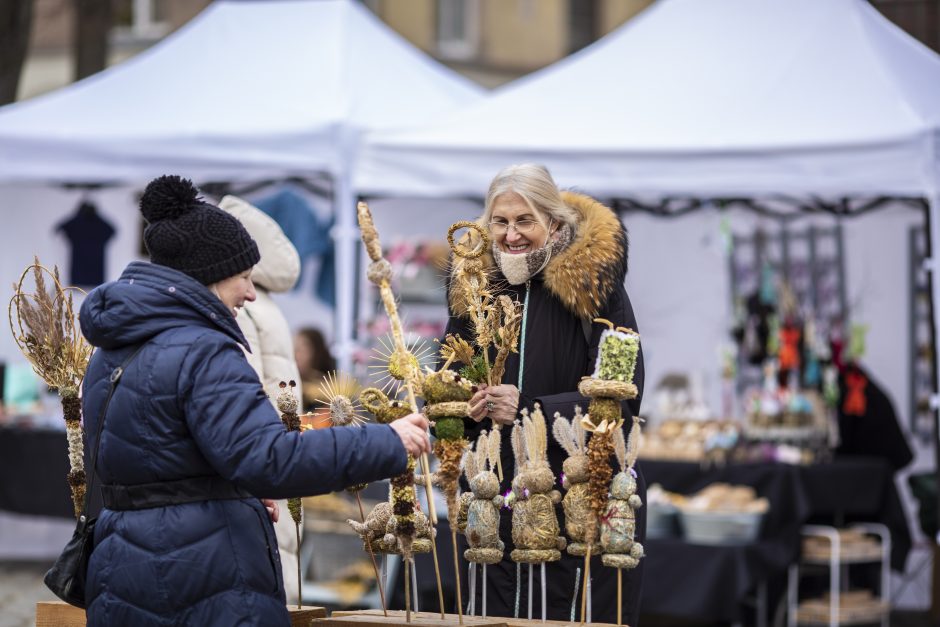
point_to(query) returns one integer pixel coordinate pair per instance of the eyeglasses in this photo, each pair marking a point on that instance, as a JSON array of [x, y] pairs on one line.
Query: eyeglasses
[[523, 227]]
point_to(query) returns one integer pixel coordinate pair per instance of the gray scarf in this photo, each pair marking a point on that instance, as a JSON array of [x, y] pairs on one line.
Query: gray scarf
[[520, 268]]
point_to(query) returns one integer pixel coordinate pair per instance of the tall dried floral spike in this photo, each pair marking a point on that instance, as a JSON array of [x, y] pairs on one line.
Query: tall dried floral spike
[[45, 328]]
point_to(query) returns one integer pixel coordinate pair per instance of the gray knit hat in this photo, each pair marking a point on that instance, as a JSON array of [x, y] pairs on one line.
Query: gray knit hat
[[190, 235]]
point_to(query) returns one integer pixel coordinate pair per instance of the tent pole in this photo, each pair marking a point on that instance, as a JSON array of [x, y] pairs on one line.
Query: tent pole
[[346, 236], [932, 217]]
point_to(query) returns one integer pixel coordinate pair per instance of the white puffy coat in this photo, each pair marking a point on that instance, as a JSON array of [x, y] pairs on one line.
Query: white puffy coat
[[271, 341]]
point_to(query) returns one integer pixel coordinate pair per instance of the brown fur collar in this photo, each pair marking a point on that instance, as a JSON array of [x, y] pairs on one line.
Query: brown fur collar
[[585, 274]]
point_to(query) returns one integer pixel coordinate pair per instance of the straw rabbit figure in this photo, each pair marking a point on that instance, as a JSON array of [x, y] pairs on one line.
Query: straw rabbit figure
[[535, 529], [482, 529], [618, 527], [572, 437]]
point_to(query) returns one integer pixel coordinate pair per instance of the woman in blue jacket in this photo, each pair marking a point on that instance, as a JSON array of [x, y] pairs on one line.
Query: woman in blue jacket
[[190, 439]]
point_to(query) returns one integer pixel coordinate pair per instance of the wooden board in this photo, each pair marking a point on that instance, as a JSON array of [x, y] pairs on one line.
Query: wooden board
[[304, 615], [535, 622], [59, 614], [375, 618]]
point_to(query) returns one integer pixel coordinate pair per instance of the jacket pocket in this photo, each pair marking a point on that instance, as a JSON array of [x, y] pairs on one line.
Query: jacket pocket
[[267, 531]]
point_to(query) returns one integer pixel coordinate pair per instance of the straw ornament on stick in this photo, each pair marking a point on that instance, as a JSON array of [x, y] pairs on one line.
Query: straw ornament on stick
[[287, 404], [45, 328], [340, 391], [406, 365]]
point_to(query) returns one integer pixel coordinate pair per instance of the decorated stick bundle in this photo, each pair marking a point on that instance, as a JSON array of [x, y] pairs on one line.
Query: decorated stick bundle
[[496, 320], [405, 366], [287, 404], [482, 510], [619, 522], [579, 518], [535, 529], [344, 412], [611, 383], [45, 329], [447, 394]]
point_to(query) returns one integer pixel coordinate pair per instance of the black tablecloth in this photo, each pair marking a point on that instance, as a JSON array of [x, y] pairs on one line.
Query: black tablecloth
[[710, 582], [34, 464]]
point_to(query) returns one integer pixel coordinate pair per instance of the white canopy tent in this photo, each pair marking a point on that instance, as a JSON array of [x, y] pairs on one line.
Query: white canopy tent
[[247, 90], [721, 97]]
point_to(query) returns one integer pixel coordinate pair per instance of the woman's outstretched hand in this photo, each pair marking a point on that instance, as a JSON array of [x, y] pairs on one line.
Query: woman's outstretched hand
[[413, 432]]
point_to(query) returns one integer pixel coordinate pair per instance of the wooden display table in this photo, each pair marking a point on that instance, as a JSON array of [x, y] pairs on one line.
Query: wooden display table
[[60, 614], [375, 618]]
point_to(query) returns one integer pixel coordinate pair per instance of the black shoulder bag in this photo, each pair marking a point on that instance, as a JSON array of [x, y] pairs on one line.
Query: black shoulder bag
[[66, 578]]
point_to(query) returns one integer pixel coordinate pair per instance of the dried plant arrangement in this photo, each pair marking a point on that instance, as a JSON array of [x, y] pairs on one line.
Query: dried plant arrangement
[[395, 526], [572, 437], [535, 528], [611, 383], [45, 328], [345, 411], [482, 518], [618, 531], [287, 403], [404, 366], [497, 321]]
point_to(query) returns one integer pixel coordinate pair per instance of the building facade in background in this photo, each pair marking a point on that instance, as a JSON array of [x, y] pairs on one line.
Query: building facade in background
[[490, 41]]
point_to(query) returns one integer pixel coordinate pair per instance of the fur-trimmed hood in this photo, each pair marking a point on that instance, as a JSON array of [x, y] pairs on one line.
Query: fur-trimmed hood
[[582, 276]]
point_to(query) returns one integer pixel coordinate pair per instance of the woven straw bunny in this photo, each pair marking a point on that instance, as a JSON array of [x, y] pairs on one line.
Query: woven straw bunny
[[572, 437], [535, 530], [482, 529], [619, 523]]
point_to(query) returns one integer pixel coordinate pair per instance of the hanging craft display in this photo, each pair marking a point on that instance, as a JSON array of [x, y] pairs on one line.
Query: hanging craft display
[[45, 328]]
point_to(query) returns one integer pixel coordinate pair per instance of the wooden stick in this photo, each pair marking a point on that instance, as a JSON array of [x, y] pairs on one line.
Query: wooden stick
[[407, 591], [484, 590], [619, 596], [472, 577], [453, 538], [375, 566], [587, 576], [300, 582]]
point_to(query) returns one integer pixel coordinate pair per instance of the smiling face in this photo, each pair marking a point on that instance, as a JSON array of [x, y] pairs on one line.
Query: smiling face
[[235, 290], [515, 227]]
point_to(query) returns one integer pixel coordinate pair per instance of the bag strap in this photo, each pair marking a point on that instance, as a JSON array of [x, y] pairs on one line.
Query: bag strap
[[115, 379]]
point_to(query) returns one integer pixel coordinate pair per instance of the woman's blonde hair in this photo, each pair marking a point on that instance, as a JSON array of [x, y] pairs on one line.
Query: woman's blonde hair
[[537, 188]]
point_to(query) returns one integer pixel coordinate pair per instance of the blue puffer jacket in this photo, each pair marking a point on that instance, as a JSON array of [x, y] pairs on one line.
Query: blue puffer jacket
[[189, 405]]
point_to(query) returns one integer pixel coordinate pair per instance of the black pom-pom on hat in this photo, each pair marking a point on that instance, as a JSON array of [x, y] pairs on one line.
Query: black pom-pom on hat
[[190, 235], [168, 197]]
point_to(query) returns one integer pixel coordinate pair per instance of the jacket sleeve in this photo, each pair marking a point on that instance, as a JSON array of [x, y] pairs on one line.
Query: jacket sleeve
[[618, 310], [242, 437]]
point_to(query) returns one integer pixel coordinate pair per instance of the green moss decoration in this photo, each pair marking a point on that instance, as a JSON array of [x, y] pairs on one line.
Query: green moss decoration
[[476, 371], [618, 356], [601, 409], [449, 428]]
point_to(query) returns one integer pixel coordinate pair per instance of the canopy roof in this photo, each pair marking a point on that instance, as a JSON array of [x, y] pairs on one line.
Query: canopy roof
[[247, 88], [718, 97]]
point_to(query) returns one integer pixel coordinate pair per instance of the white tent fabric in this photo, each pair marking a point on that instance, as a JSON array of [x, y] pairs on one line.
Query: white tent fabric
[[723, 97], [246, 90]]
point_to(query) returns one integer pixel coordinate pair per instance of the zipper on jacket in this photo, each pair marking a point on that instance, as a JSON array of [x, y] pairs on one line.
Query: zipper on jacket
[[275, 568], [525, 314]]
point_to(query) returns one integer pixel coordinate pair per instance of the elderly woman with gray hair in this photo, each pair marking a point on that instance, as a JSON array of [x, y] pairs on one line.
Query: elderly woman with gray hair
[[564, 256]]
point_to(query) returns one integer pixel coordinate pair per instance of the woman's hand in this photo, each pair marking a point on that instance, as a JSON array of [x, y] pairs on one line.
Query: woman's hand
[[413, 431], [477, 403], [502, 403], [273, 510]]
